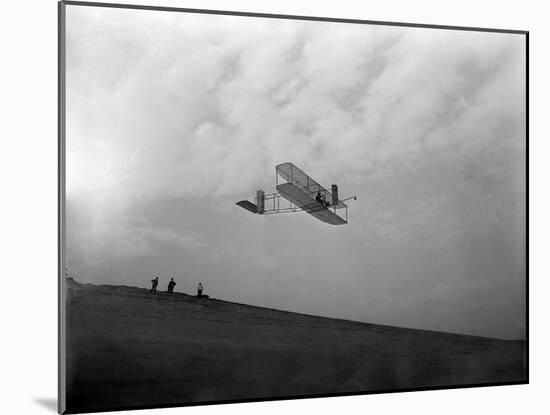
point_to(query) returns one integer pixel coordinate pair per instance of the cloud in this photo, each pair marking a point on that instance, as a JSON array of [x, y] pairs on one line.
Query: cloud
[[206, 113], [99, 234], [170, 237]]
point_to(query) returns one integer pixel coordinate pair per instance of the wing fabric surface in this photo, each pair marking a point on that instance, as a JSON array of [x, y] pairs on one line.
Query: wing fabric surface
[[301, 199]]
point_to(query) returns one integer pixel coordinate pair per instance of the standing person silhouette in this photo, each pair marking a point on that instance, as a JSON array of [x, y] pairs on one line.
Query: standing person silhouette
[[154, 282], [171, 285], [199, 290]]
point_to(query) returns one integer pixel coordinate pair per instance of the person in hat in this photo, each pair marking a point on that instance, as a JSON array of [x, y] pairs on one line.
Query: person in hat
[[199, 290], [154, 283], [171, 285]]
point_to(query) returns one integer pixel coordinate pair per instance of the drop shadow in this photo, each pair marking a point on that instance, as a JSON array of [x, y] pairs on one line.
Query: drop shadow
[[48, 403]]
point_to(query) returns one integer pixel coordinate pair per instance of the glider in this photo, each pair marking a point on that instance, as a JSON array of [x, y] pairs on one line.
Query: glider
[[303, 194]]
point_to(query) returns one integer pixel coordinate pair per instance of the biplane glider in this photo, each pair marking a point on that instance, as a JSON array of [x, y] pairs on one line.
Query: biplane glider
[[303, 194]]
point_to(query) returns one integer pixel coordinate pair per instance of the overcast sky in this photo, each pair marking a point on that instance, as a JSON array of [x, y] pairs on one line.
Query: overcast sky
[[173, 117]]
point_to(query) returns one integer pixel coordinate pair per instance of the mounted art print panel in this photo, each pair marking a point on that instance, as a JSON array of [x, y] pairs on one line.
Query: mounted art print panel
[[258, 207]]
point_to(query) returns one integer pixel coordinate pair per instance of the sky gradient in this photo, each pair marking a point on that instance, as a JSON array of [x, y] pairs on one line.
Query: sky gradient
[[173, 117]]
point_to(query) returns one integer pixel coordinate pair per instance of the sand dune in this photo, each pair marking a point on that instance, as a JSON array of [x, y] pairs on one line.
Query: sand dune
[[128, 349]]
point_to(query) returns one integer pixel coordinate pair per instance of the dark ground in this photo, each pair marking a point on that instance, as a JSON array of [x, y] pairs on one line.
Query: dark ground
[[127, 348]]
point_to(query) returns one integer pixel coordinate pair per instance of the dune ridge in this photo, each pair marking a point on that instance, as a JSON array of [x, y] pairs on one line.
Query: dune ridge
[[129, 349]]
